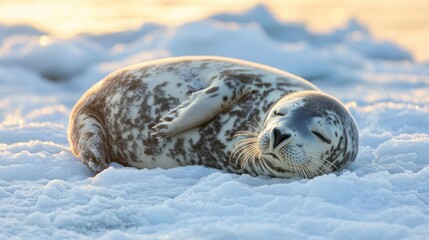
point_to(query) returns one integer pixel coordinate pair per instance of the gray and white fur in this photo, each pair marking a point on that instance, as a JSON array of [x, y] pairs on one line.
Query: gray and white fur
[[223, 113]]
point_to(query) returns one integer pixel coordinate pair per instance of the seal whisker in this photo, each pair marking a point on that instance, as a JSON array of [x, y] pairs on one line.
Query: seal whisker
[[303, 170], [330, 112], [241, 146], [326, 161], [259, 125], [244, 156], [254, 128], [297, 168], [251, 154], [321, 168], [245, 149], [245, 133], [262, 165], [256, 162], [247, 140], [312, 169], [254, 156], [241, 154]]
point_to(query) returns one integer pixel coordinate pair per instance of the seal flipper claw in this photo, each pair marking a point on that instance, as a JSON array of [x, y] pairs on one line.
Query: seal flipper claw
[[161, 130]]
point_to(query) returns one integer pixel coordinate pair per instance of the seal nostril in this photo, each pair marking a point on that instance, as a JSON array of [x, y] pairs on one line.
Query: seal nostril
[[279, 137], [276, 133]]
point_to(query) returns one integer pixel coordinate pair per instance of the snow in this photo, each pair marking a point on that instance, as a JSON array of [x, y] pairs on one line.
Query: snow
[[29, 51], [46, 192]]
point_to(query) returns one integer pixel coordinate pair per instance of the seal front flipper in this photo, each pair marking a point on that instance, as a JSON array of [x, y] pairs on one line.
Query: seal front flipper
[[201, 107], [89, 142]]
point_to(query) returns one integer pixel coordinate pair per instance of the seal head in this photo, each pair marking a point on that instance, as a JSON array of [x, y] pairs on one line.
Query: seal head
[[304, 134]]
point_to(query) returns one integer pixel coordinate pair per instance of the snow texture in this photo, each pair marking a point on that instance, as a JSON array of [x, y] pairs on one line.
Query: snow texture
[[47, 193]]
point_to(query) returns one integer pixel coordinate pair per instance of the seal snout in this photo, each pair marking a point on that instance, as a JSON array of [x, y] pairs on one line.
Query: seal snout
[[279, 137]]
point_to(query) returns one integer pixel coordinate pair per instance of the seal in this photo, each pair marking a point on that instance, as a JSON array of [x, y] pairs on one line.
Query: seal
[[224, 113]]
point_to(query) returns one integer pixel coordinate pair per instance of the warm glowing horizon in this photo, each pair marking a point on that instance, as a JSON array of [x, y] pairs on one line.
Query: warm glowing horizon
[[400, 21]]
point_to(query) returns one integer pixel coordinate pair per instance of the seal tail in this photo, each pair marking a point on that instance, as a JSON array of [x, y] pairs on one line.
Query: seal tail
[[87, 139]]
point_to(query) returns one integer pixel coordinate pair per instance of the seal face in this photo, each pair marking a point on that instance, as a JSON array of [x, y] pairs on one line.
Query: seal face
[[304, 134], [224, 113]]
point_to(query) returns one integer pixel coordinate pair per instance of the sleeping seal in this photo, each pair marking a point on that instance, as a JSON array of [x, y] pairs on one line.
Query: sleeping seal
[[224, 113]]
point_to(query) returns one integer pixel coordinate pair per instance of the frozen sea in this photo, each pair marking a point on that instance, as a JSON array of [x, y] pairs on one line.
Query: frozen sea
[[47, 193]]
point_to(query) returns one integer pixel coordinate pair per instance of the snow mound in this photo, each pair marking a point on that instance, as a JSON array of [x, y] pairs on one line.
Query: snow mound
[[355, 35], [52, 58]]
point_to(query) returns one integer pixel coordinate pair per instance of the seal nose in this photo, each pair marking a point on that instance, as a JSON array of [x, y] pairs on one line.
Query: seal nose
[[279, 137]]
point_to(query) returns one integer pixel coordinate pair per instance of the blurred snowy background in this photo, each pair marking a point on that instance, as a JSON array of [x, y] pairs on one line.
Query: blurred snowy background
[[45, 192]]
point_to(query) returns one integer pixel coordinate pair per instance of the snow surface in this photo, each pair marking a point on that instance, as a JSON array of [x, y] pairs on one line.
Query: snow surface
[[45, 192]]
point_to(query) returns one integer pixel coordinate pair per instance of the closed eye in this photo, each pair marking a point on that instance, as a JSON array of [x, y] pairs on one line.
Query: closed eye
[[321, 137], [278, 113]]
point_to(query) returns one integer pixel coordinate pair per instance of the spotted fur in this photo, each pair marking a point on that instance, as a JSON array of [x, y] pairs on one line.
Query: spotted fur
[[187, 111]]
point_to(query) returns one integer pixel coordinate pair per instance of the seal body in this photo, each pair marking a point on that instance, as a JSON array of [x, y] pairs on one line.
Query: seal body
[[207, 111]]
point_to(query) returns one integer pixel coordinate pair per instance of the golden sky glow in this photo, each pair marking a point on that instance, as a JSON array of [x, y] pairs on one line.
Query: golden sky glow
[[403, 21]]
